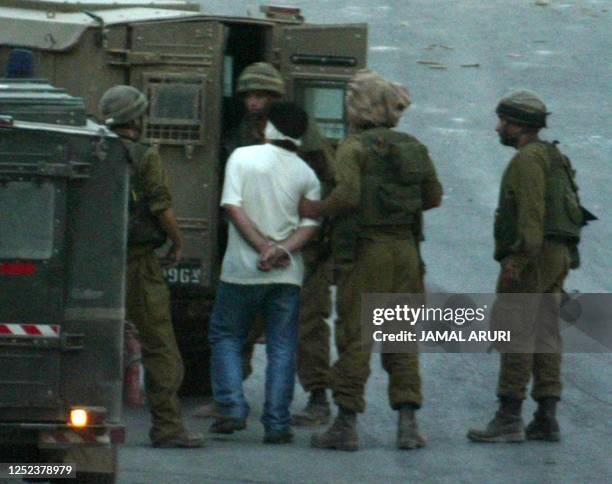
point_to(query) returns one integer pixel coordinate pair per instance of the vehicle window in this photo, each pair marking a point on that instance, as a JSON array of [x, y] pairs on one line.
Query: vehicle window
[[179, 102], [26, 220], [324, 102], [176, 107]]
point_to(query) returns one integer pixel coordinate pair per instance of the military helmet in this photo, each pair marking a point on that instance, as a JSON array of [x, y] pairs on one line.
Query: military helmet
[[523, 107], [373, 100], [122, 104], [261, 76]]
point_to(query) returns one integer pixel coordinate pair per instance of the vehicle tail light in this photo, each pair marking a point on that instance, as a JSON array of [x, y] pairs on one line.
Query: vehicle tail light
[[81, 417], [17, 268]]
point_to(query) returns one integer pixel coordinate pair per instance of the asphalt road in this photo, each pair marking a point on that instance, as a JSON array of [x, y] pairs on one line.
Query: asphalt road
[[562, 51]]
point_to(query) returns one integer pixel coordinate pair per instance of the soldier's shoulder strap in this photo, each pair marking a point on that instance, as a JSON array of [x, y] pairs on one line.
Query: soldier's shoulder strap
[[137, 152]]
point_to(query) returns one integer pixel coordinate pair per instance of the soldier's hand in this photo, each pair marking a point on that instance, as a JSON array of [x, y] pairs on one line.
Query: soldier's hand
[[510, 274], [174, 254], [308, 208]]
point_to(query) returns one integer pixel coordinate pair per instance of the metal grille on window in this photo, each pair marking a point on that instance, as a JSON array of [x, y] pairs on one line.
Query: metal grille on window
[[176, 108]]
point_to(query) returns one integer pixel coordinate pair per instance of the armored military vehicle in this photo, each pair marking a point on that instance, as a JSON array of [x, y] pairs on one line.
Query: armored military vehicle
[[63, 214], [187, 62]]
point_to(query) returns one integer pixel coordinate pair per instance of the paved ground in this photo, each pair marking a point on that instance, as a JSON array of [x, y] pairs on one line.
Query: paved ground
[[561, 51]]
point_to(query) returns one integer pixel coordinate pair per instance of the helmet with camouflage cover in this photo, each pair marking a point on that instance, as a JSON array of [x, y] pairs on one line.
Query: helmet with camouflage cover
[[373, 100], [122, 104], [523, 107], [261, 76]]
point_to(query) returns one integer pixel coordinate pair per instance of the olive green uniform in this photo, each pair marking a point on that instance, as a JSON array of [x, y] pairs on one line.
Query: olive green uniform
[[387, 260], [526, 237], [148, 300], [313, 362]]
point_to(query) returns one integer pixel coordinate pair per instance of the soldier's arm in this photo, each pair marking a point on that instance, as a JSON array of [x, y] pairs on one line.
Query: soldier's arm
[[431, 188], [347, 192], [167, 220], [528, 182], [155, 183], [157, 194]]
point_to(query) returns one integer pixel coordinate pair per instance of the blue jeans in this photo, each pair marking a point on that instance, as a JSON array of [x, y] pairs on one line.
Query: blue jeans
[[235, 307]]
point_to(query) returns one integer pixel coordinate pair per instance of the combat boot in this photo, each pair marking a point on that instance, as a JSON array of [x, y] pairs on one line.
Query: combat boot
[[506, 426], [184, 440], [315, 413], [408, 435], [342, 435], [544, 425]]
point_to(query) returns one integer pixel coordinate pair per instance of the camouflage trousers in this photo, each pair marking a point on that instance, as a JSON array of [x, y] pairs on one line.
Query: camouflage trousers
[[541, 335], [313, 358], [148, 308], [387, 265]]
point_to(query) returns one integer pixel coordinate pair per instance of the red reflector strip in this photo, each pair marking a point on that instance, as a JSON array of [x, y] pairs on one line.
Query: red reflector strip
[[30, 330], [17, 268]]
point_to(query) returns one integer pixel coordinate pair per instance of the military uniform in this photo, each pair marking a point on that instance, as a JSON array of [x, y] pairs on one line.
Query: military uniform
[[387, 260], [148, 300], [525, 239], [313, 364], [537, 230]]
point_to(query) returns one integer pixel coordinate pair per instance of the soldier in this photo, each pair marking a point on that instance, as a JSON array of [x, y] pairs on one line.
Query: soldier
[[537, 227], [387, 179], [259, 85], [151, 222]]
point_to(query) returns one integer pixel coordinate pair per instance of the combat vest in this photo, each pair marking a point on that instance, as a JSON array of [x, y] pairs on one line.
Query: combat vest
[[563, 217], [392, 173], [143, 227]]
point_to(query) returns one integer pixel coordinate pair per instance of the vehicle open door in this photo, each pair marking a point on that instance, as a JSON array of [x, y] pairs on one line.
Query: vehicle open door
[[317, 62]]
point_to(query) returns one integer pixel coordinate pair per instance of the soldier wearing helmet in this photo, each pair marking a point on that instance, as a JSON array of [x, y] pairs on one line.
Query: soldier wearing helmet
[[259, 85], [537, 228], [151, 222], [385, 179]]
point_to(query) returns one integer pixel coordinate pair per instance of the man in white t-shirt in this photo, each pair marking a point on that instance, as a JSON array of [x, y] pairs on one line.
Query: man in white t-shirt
[[262, 270]]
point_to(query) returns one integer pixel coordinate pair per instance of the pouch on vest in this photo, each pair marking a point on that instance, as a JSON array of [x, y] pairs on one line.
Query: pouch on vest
[[565, 216], [143, 227], [391, 178]]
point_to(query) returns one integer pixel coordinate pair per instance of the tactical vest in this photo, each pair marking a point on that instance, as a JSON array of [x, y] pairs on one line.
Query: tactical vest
[[563, 218], [392, 173], [143, 227]]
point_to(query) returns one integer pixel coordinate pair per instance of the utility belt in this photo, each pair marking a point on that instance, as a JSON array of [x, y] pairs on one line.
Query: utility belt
[[383, 232]]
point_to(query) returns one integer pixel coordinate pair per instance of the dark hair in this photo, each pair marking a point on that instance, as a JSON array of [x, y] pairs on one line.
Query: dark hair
[[285, 144], [289, 119]]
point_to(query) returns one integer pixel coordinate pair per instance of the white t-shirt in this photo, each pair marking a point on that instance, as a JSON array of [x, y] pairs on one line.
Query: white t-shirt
[[268, 183]]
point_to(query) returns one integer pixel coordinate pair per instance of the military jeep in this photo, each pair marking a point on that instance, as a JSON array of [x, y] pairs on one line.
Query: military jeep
[[63, 214]]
